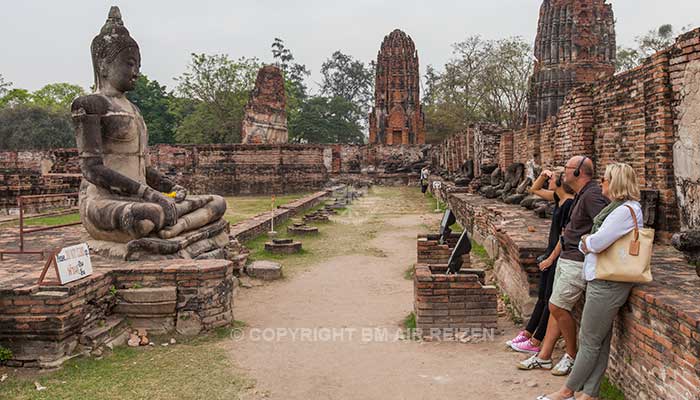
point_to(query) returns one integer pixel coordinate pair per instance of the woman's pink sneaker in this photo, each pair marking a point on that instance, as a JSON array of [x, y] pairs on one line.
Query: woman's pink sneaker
[[525, 347], [518, 339]]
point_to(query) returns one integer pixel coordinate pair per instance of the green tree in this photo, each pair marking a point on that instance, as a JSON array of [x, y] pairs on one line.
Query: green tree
[[351, 79], [28, 127], [627, 58], [4, 86], [326, 120], [57, 96], [294, 81], [506, 81], [656, 40], [154, 102], [485, 81], [294, 72], [219, 88], [647, 45], [15, 97]]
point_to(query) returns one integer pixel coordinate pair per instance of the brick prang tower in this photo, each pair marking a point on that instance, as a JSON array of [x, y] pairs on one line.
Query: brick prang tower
[[397, 117], [575, 44]]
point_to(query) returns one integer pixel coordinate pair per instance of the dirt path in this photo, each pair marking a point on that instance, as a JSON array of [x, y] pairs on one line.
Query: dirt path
[[349, 294]]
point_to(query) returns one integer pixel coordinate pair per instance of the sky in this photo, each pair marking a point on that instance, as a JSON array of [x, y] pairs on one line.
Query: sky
[[47, 41]]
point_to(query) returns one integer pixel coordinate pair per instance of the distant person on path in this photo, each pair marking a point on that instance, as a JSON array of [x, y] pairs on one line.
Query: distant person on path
[[530, 339], [424, 176], [603, 298]]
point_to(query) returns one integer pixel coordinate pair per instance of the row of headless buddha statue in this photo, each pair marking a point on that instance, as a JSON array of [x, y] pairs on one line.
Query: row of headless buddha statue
[[129, 208]]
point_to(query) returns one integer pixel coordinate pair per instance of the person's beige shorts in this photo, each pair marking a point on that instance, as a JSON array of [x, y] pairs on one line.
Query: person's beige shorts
[[569, 284]]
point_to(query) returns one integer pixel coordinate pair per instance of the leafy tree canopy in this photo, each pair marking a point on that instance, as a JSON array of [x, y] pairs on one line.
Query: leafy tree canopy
[[219, 89], [485, 81], [326, 120], [646, 45], [154, 102], [28, 126]]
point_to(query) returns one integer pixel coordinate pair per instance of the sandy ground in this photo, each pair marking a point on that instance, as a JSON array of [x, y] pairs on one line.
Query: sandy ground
[[351, 296]]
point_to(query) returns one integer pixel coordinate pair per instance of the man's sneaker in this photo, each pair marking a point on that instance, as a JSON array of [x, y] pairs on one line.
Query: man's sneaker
[[525, 347], [534, 362], [520, 338], [564, 366]]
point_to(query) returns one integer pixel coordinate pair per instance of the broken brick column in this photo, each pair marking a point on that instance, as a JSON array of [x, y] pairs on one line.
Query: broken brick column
[[449, 306], [265, 120]]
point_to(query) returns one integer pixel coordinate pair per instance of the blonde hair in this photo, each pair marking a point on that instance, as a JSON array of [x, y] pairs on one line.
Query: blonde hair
[[622, 182]]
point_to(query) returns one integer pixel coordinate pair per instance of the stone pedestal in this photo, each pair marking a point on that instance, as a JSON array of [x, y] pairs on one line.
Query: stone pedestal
[[302, 229], [283, 246], [316, 216]]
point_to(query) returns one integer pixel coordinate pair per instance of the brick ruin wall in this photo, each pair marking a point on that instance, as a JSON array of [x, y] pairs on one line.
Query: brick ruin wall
[[480, 143], [647, 117], [228, 169], [243, 169], [25, 173], [635, 117], [43, 328]]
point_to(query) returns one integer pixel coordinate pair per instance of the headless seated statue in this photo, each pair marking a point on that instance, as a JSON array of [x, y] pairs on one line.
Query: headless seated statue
[[123, 198]]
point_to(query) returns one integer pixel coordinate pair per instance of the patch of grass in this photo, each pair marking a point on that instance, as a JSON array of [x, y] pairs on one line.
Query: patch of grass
[[218, 334], [45, 221], [431, 202], [409, 322], [515, 316], [608, 391], [5, 354], [349, 233], [410, 272], [456, 227], [183, 371], [243, 207], [479, 251]]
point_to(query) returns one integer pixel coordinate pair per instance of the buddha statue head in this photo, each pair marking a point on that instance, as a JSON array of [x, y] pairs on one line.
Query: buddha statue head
[[116, 59]]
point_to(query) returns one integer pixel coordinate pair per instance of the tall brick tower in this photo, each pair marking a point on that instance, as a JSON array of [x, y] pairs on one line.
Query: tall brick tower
[[397, 116], [575, 44]]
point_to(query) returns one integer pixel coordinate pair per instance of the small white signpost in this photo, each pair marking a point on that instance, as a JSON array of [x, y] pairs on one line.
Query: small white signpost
[[272, 219], [436, 186], [70, 263], [73, 263]]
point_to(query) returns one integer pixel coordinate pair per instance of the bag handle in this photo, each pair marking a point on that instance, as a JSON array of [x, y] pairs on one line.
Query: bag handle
[[636, 223], [634, 244]]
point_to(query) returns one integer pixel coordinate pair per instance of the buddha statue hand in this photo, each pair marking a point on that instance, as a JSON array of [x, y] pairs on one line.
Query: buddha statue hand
[[180, 193], [166, 203]]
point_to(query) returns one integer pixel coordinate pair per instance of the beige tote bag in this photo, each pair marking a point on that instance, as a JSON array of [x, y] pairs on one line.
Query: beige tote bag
[[629, 258]]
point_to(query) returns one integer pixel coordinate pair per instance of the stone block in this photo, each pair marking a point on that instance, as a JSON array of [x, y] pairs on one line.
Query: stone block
[[188, 323], [162, 308], [148, 295], [265, 270], [152, 324]]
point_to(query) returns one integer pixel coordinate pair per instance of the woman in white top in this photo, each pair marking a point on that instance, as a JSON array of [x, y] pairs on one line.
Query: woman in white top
[[603, 298]]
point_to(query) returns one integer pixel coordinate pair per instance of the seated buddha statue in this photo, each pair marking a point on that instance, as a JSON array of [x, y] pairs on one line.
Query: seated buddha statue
[[123, 198]]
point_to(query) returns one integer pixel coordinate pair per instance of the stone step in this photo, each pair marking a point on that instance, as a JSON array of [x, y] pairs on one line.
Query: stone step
[[158, 309], [154, 325], [148, 295], [101, 333]]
